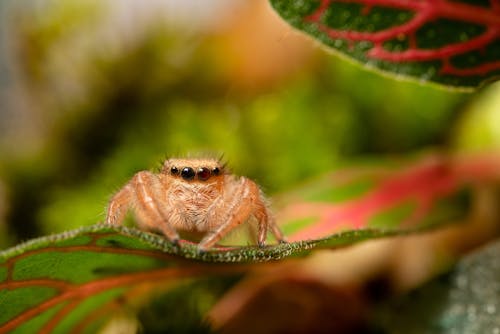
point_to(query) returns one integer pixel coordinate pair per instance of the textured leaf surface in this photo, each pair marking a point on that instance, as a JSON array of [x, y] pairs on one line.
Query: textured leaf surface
[[69, 283], [466, 300], [62, 283], [455, 43]]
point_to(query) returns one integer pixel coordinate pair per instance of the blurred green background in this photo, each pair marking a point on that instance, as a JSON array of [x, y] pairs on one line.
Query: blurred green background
[[93, 91]]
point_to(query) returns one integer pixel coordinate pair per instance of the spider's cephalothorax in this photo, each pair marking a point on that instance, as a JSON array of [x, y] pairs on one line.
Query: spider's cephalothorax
[[196, 196]]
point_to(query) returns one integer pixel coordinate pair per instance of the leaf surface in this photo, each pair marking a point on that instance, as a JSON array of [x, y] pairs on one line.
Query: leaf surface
[[67, 282], [453, 43]]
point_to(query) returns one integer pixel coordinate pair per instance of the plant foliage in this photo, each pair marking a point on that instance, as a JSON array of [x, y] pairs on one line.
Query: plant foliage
[[453, 43]]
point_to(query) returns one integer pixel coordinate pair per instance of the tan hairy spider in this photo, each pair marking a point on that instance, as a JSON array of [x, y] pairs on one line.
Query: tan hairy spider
[[197, 196]]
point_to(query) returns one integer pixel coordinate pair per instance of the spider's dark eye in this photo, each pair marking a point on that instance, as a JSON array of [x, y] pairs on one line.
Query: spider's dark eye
[[174, 170], [187, 173], [203, 173], [216, 171]]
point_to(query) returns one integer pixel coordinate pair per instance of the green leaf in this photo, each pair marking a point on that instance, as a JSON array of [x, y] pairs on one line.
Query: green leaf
[[453, 43], [465, 300], [63, 282], [386, 195]]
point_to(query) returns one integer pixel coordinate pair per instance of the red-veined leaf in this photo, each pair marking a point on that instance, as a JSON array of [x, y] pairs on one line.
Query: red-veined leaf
[[455, 43]]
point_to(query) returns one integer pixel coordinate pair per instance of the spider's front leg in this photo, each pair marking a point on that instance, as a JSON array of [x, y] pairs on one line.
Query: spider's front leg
[[146, 194], [119, 205], [245, 200]]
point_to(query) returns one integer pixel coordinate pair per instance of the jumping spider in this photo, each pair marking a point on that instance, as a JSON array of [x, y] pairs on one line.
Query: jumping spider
[[198, 196]]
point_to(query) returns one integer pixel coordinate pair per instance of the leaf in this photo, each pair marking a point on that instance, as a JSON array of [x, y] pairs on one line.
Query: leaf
[[63, 282], [465, 300], [453, 43], [384, 197]]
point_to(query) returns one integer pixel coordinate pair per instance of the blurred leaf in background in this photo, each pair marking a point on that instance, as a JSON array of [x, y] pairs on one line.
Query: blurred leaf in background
[[478, 128]]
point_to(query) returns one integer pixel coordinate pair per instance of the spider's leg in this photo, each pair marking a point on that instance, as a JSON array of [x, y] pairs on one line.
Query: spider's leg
[[148, 204], [262, 214], [119, 205], [266, 221], [276, 231], [237, 212]]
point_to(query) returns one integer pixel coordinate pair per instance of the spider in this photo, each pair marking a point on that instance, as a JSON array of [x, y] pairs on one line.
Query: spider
[[197, 196]]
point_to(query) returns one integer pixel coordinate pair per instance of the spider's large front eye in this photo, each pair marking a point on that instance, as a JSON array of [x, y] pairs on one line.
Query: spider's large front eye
[[187, 173], [203, 173]]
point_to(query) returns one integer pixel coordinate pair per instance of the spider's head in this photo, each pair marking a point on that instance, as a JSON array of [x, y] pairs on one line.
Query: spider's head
[[193, 169]]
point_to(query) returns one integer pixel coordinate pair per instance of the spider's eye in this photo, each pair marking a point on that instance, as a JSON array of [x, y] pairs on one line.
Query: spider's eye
[[187, 173], [174, 170], [203, 173], [216, 171]]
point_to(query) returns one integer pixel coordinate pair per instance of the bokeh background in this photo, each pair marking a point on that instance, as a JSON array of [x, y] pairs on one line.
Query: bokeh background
[[93, 91]]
